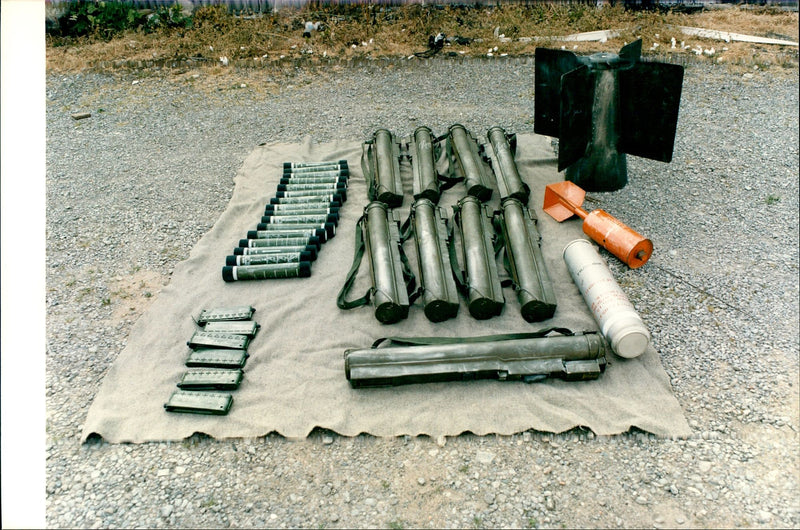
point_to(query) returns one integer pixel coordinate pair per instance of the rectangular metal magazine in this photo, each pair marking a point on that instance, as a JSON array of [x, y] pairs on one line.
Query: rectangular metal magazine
[[216, 358], [199, 402], [210, 379], [219, 314], [239, 327], [204, 339]]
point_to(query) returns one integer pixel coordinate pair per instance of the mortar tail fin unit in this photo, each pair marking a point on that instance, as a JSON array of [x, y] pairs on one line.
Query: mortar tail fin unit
[[604, 106]]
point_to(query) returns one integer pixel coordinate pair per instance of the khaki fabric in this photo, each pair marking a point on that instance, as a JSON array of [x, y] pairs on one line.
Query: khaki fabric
[[294, 379]]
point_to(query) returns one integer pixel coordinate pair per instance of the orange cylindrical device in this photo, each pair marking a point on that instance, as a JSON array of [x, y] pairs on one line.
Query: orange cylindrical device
[[563, 199]]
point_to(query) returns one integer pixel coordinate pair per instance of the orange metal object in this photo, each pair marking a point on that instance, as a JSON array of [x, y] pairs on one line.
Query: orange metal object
[[562, 200]]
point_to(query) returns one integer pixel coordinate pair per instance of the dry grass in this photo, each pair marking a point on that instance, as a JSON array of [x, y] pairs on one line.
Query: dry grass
[[368, 31]]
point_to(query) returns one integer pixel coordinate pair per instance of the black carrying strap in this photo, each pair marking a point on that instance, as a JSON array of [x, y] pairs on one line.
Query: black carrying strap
[[451, 165], [446, 180], [458, 274], [429, 341], [406, 229], [408, 276], [358, 255], [449, 180], [462, 282], [500, 247], [366, 167], [414, 292]]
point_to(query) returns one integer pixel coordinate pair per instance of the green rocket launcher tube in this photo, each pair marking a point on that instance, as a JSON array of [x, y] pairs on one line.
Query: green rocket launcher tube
[[500, 151], [380, 161], [481, 281], [439, 293], [266, 272], [464, 152], [526, 263], [378, 233], [390, 296], [426, 181], [527, 357]]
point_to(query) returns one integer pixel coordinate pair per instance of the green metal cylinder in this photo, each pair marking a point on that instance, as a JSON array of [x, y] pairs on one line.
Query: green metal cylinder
[[439, 294], [509, 182], [262, 238], [423, 166], [382, 241], [533, 284], [572, 357], [466, 154], [266, 272], [380, 161], [483, 283], [266, 259]]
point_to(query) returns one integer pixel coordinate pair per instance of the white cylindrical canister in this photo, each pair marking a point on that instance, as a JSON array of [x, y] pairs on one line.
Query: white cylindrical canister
[[619, 322]]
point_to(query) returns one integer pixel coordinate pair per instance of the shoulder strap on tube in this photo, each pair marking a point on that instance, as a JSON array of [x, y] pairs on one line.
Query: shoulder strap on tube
[[447, 179], [358, 254], [406, 230], [367, 167], [428, 341], [409, 278], [500, 247], [458, 274]]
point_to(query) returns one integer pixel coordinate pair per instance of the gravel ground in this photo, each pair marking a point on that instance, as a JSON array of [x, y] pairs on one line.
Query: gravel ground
[[131, 189]]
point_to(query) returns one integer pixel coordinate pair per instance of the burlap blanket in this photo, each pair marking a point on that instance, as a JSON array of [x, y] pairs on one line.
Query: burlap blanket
[[294, 379]]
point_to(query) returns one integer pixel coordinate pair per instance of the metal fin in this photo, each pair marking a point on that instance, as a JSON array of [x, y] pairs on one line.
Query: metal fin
[[550, 65], [650, 96], [575, 121]]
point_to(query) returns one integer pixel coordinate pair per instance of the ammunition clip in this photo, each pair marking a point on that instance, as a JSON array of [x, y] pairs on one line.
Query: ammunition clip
[[221, 314]]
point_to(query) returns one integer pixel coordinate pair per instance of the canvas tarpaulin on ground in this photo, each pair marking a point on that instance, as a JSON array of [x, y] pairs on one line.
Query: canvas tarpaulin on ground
[[294, 378]]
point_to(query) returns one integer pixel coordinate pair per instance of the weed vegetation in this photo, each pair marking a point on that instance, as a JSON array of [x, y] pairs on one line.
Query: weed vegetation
[[212, 37]]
